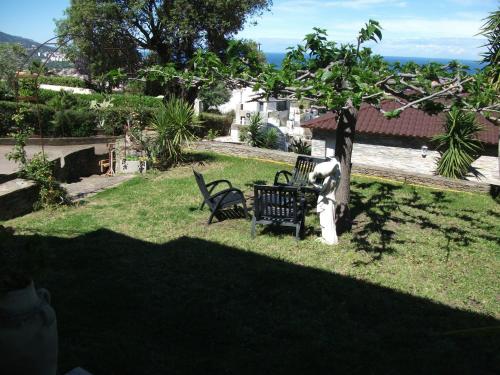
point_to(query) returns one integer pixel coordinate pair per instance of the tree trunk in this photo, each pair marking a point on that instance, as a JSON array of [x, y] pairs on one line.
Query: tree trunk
[[346, 129]]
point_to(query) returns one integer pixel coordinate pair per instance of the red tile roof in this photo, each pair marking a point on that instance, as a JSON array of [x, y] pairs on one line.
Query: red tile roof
[[412, 122]]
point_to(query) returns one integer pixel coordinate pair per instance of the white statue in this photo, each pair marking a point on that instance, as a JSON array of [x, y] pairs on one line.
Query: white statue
[[330, 171]]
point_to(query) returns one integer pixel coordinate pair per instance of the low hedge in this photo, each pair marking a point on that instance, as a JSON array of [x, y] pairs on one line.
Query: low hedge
[[116, 118], [62, 81], [215, 122], [7, 109], [72, 122], [118, 100]]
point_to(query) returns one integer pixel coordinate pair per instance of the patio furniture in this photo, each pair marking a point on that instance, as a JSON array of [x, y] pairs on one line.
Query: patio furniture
[[108, 165], [220, 200], [278, 205], [299, 177]]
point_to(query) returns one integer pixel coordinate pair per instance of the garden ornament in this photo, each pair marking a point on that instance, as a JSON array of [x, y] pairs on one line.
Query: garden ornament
[[330, 172]]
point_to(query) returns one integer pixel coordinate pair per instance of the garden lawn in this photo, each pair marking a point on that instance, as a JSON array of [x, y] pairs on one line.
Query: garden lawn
[[142, 285]]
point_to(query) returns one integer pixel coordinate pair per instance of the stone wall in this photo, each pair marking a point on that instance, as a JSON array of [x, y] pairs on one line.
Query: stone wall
[[394, 141], [289, 158], [63, 141], [81, 163], [17, 198]]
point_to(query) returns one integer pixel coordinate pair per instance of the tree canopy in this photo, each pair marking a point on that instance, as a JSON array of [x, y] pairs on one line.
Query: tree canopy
[[339, 78], [11, 57], [108, 34]]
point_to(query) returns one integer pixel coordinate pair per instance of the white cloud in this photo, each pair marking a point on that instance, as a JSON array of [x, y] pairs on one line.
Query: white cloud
[[297, 5], [410, 28], [460, 48]]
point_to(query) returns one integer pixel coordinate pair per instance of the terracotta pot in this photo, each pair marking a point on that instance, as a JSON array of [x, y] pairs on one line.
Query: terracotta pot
[[28, 333]]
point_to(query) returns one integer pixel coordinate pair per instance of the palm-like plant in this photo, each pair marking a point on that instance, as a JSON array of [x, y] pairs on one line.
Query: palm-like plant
[[491, 57], [254, 131], [174, 124], [458, 145]]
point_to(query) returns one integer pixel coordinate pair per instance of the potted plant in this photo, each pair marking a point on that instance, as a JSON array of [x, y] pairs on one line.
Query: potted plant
[[28, 326]]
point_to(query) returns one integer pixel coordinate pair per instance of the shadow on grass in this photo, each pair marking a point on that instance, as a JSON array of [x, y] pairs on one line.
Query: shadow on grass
[[378, 213], [191, 306]]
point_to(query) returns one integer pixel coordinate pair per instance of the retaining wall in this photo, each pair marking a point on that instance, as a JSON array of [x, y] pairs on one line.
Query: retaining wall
[[63, 141], [234, 149], [17, 198]]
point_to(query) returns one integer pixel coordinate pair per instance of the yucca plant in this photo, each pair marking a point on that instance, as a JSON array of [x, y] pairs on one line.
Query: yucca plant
[[254, 131], [174, 124], [300, 146], [270, 138], [458, 146]]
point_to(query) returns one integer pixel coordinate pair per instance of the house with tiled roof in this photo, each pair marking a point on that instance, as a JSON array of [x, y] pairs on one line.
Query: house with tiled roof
[[414, 128]]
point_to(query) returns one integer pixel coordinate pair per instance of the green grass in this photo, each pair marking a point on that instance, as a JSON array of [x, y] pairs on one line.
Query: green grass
[[142, 285]]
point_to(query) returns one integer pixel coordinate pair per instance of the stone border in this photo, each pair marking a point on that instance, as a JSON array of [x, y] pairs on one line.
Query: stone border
[[63, 141], [71, 166], [17, 198], [400, 176]]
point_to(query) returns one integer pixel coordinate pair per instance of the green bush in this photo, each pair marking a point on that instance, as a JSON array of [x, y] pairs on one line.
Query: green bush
[[8, 109], [63, 100], [300, 146], [71, 123], [220, 124], [119, 100], [62, 81], [116, 118], [269, 138], [125, 107], [40, 170], [27, 87]]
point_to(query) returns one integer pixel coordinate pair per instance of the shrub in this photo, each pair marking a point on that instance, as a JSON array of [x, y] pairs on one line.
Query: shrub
[[27, 87], [458, 146], [214, 123], [8, 109], [40, 170], [175, 124], [71, 123], [119, 100], [63, 100], [135, 87], [214, 95], [6, 92], [62, 81], [269, 138], [243, 133], [212, 134], [299, 146], [116, 118], [258, 135]]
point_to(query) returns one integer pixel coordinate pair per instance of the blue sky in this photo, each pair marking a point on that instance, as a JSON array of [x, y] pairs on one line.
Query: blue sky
[[418, 28]]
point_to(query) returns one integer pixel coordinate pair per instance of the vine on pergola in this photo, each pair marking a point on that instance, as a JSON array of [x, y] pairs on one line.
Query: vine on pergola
[[339, 78]]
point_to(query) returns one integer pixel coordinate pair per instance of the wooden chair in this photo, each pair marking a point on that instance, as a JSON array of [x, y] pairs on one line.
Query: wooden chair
[[220, 200], [108, 165], [278, 205], [299, 177]]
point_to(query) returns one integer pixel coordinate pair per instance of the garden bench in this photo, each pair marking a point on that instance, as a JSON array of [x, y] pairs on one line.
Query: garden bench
[[278, 205], [220, 200]]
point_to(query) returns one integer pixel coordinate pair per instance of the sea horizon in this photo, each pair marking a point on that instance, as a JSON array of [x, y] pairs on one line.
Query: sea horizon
[[277, 57]]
